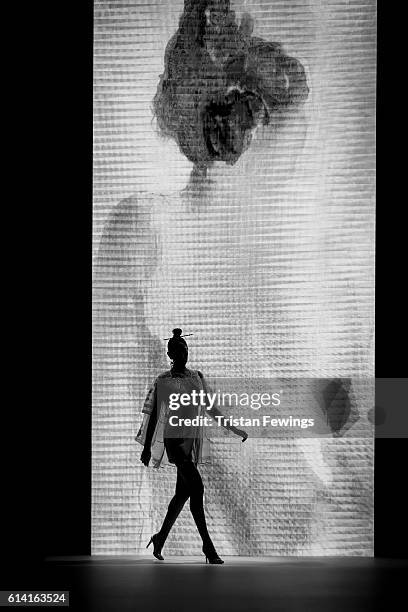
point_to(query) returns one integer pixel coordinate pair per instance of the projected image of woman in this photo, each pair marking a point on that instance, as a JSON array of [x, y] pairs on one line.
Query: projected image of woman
[[181, 445], [207, 258], [244, 238]]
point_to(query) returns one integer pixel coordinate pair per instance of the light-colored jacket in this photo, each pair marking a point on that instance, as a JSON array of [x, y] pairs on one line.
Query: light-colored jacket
[[192, 379]]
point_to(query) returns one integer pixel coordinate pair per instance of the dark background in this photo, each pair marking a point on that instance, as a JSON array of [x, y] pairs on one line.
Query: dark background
[[391, 257], [46, 446]]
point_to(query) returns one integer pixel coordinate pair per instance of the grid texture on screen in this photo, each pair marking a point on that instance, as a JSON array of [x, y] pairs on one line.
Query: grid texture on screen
[[271, 268]]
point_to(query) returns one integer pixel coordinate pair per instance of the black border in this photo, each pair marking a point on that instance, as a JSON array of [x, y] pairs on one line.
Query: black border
[[46, 445], [68, 524], [390, 305]]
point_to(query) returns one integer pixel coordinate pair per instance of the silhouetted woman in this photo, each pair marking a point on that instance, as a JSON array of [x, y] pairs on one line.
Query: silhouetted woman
[[183, 445]]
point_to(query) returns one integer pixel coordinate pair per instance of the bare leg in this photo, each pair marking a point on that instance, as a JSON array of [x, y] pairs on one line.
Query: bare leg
[[175, 507], [194, 484]]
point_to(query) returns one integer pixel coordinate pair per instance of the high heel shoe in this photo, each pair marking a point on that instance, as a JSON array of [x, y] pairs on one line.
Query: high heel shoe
[[156, 547], [211, 556]]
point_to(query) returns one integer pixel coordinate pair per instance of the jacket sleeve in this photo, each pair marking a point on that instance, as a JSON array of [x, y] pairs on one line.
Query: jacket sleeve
[[145, 433], [214, 411], [152, 397]]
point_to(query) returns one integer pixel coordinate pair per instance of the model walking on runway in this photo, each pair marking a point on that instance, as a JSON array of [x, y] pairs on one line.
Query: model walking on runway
[[182, 444]]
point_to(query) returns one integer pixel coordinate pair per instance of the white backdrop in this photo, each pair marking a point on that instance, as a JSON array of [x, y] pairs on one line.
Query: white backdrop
[[273, 271]]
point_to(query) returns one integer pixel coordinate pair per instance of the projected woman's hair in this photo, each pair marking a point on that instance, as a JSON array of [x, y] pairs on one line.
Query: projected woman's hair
[[220, 82]]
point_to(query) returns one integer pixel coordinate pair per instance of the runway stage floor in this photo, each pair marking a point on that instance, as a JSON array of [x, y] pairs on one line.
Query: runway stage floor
[[186, 584]]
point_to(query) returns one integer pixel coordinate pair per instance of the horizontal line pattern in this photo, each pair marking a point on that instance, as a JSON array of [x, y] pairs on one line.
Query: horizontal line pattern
[[273, 272]]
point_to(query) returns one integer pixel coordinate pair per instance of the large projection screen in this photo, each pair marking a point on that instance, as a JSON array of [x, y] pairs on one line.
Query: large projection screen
[[271, 269]]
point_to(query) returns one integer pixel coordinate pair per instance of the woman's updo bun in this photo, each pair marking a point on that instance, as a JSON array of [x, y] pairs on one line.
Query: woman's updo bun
[[227, 122], [176, 339], [219, 82]]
